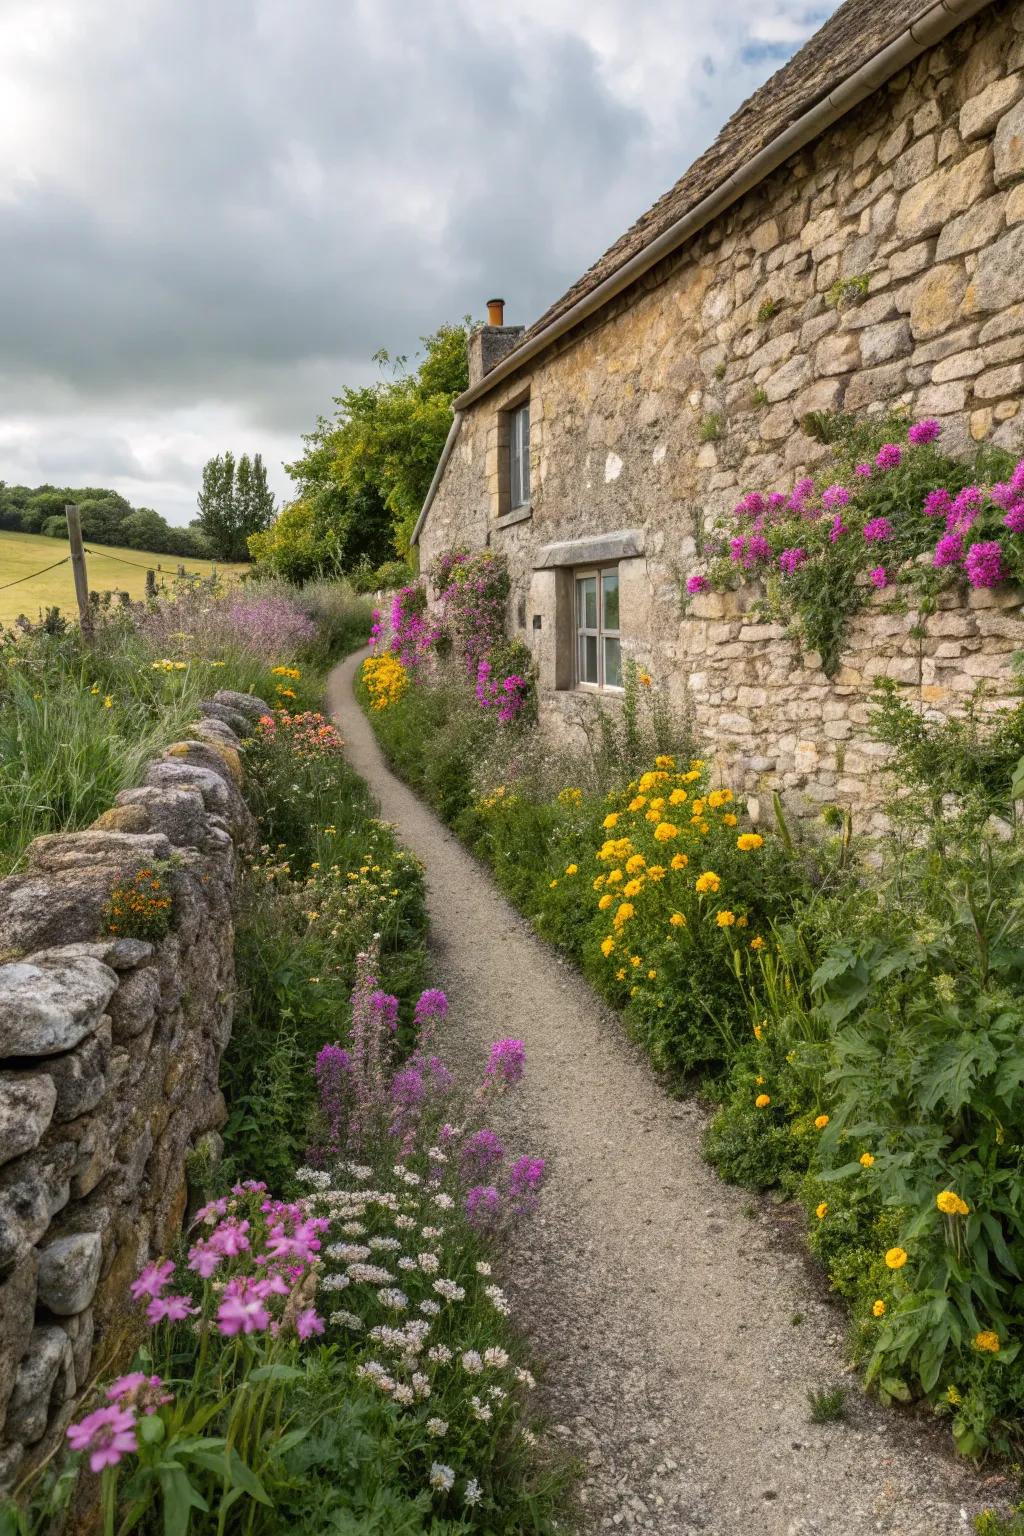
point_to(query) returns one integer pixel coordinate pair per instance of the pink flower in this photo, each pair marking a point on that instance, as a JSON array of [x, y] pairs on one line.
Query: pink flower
[[864, 470], [838, 529], [169, 1309], [949, 550], [791, 559], [835, 496], [242, 1308], [984, 564], [878, 577], [695, 584], [203, 1259], [937, 503], [1014, 519], [125, 1385], [152, 1279], [924, 431], [107, 1434], [308, 1322], [878, 530], [139, 1391], [889, 456]]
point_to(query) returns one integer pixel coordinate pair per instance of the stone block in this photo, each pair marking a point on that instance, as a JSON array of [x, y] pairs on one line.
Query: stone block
[[69, 1270], [973, 229], [134, 1004], [17, 1314], [45, 1009], [925, 208], [936, 298], [27, 1102], [46, 1373], [1009, 147], [788, 379], [883, 343], [998, 382], [33, 1189], [962, 365], [122, 851], [981, 113], [249, 705], [998, 279], [875, 384], [838, 353], [941, 399], [79, 1076]]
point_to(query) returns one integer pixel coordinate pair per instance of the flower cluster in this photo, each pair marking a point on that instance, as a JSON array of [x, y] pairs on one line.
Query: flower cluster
[[386, 679], [507, 699], [141, 908], [308, 736]]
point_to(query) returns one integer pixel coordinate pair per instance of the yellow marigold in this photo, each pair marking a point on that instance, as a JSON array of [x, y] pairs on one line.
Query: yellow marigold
[[758, 1031], [611, 820], [635, 864], [606, 901], [741, 922], [570, 796], [572, 869], [679, 861], [866, 1160], [747, 841], [553, 884], [677, 797], [953, 1396], [987, 1342], [658, 803], [725, 918], [655, 873], [651, 975], [821, 1122], [896, 1258], [634, 961], [717, 799], [652, 816], [644, 679], [707, 882], [757, 942], [632, 888], [697, 809], [649, 779], [599, 882], [664, 832], [620, 974], [951, 1204], [762, 1101], [623, 913], [692, 776], [637, 803], [820, 1210], [664, 761], [728, 819], [607, 945], [614, 876], [878, 1309], [677, 920], [108, 702]]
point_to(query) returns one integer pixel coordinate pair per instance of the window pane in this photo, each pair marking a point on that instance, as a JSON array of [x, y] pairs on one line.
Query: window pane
[[515, 495], [524, 448], [612, 663], [586, 602], [588, 658], [610, 598]]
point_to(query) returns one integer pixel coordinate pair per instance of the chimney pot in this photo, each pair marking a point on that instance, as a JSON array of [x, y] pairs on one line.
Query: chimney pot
[[495, 311]]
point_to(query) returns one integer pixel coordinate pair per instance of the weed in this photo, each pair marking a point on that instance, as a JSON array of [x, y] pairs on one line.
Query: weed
[[847, 291], [711, 428], [827, 1405], [768, 309]]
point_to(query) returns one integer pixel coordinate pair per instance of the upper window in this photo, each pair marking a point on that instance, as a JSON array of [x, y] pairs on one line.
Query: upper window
[[519, 457], [598, 656]]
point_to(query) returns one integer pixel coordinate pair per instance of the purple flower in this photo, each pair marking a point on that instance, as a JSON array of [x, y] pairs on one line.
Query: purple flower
[[737, 547], [308, 1322], [480, 1153], [1005, 494], [878, 577], [1014, 519], [152, 1280], [483, 1205], [963, 512], [776, 500], [984, 564], [169, 1309], [838, 528], [878, 530], [949, 550], [408, 1087], [924, 431], [752, 505], [386, 1007], [107, 1434], [801, 491], [889, 456], [835, 496], [937, 503], [524, 1180], [507, 1062], [758, 548], [864, 470], [696, 584], [791, 559]]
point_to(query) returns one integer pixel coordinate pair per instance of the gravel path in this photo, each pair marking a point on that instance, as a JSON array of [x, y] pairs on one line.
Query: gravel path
[[667, 1310]]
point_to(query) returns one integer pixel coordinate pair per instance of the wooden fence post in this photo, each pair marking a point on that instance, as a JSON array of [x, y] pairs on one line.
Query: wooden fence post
[[78, 567]]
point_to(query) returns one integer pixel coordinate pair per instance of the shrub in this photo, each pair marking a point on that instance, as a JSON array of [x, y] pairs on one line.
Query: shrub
[[142, 908]]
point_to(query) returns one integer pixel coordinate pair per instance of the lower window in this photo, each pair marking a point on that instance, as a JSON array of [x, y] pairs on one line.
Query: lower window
[[598, 657]]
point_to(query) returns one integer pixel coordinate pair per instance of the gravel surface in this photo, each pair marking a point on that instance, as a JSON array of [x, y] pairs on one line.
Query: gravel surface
[[680, 1328]]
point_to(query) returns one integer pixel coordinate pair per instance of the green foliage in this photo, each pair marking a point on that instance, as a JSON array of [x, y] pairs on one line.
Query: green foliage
[[106, 518], [767, 310], [759, 397], [710, 428], [847, 291], [827, 1404], [235, 501]]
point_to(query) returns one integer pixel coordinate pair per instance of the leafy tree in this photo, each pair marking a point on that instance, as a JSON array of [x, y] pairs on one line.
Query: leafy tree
[[235, 502]]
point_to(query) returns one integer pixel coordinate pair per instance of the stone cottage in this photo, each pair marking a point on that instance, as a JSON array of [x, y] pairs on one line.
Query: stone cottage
[[592, 447]]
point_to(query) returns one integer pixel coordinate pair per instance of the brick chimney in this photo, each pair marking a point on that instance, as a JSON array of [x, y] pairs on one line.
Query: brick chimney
[[491, 342]]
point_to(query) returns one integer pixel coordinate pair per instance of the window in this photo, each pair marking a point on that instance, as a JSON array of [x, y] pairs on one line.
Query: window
[[598, 657], [519, 456]]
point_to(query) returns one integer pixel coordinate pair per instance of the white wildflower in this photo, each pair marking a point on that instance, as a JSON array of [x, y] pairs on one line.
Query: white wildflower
[[524, 1377], [449, 1290], [347, 1253], [473, 1493], [437, 1426], [404, 1395], [429, 1308], [428, 1262], [441, 1477], [314, 1176], [439, 1354], [393, 1298], [421, 1384], [472, 1362], [480, 1410], [369, 1274], [406, 1263], [334, 1282], [443, 1202], [343, 1319], [405, 1223], [497, 1298], [497, 1394], [432, 1232], [384, 1244], [496, 1358], [353, 1228], [482, 1268]]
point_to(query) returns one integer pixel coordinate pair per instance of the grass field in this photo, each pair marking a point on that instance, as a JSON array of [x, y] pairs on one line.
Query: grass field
[[23, 553]]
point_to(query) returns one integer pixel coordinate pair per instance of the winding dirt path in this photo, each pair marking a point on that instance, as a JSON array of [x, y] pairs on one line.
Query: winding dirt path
[[680, 1331]]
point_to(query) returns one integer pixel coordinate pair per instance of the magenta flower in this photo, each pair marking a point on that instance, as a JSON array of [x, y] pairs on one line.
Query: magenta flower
[[937, 503], [879, 578], [204, 1258], [695, 584], [835, 496], [838, 529], [984, 564], [1014, 519], [790, 560], [864, 470], [878, 530], [507, 1061], [924, 431], [431, 1007], [889, 456], [479, 1154], [242, 1308], [139, 1391], [964, 510], [308, 1323], [483, 1205], [152, 1279], [107, 1434], [169, 1309], [949, 550]]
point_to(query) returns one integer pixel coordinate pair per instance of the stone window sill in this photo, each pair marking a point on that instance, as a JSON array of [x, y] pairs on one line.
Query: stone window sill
[[517, 515]]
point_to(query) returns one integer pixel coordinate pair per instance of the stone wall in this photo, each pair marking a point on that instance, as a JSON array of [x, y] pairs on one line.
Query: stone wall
[[882, 266], [109, 1056]]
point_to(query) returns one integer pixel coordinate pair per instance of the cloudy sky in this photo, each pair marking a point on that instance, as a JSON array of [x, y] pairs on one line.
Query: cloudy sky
[[212, 212]]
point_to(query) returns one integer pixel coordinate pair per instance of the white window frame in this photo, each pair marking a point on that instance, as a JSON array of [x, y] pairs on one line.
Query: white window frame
[[601, 632], [519, 456]]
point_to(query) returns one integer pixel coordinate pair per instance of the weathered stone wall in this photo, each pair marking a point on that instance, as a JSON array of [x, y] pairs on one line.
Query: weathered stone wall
[[690, 389], [109, 1056]]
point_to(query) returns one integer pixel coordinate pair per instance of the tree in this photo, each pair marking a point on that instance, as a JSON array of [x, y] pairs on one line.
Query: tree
[[235, 502]]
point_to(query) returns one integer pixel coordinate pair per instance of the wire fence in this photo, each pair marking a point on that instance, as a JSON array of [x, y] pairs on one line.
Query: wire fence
[[32, 576]]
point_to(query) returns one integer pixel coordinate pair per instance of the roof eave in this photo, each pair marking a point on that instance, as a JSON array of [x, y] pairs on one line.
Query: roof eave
[[929, 28]]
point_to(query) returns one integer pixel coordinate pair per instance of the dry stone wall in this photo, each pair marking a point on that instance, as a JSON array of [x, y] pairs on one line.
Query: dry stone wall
[[109, 1056], [882, 266]]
